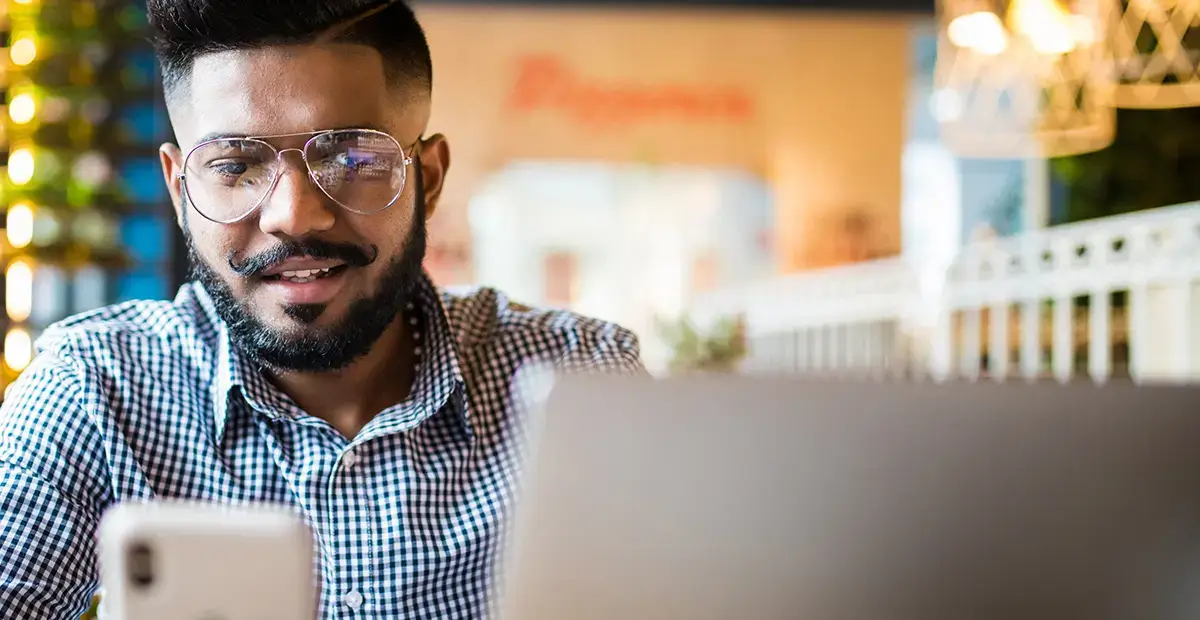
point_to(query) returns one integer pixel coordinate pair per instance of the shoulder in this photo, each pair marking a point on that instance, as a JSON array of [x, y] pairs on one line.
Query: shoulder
[[48, 429], [126, 362], [96, 374], [132, 334], [483, 316]]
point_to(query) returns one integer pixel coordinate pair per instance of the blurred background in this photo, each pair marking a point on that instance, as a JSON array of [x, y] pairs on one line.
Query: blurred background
[[981, 188]]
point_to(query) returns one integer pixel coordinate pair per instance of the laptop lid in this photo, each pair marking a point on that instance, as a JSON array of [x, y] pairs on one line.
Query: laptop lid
[[755, 498]]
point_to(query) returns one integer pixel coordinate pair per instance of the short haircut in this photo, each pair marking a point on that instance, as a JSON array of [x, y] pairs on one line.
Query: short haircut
[[187, 29]]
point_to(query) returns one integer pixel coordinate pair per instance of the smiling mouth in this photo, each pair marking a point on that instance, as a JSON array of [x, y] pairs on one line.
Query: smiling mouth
[[303, 276]]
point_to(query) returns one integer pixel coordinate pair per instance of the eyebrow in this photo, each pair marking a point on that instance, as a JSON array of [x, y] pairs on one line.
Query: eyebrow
[[220, 135]]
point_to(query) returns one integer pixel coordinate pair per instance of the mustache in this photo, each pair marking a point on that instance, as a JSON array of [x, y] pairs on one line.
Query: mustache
[[352, 255]]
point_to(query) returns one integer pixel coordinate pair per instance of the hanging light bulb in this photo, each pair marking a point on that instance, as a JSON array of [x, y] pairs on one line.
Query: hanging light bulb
[[18, 349], [18, 290], [20, 224], [22, 108], [981, 31], [1047, 26], [21, 166], [23, 51]]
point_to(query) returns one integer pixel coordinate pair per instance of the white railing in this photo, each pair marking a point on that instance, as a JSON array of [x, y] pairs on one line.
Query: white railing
[[885, 315]]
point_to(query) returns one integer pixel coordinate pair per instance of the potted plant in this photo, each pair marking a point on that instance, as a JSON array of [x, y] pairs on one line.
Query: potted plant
[[721, 349]]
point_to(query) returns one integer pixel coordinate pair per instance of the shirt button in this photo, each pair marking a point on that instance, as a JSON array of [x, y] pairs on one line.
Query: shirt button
[[349, 459], [353, 599]]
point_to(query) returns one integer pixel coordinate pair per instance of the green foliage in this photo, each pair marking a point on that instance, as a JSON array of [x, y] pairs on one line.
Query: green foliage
[[1153, 162], [720, 350]]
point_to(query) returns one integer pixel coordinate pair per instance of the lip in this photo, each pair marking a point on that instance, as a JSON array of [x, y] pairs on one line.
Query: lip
[[319, 291], [301, 264]]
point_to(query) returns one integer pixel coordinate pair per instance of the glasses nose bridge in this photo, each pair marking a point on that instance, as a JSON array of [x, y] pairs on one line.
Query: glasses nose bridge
[[281, 166], [281, 163], [279, 155]]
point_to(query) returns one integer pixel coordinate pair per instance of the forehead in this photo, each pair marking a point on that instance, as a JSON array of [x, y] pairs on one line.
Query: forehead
[[292, 89]]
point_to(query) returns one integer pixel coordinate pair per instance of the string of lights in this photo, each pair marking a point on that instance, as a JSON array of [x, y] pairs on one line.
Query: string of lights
[[5, 249], [85, 221]]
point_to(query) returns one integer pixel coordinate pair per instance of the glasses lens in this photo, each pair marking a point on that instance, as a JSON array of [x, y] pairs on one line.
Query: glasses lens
[[226, 179], [362, 170]]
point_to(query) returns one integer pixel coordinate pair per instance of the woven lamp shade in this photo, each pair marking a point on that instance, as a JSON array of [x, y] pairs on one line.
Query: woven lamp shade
[[1156, 48], [1024, 79]]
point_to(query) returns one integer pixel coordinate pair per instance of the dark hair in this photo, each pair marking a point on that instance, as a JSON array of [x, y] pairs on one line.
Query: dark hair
[[186, 29]]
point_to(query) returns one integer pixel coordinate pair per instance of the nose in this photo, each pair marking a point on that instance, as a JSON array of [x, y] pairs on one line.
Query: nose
[[295, 207]]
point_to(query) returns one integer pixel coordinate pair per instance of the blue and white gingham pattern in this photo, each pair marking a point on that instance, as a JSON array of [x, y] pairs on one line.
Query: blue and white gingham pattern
[[150, 400]]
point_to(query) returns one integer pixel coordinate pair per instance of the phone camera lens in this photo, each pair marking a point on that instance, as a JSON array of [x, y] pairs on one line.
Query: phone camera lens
[[141, 565]]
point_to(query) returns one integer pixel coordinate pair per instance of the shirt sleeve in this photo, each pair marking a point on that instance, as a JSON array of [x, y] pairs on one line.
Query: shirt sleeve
[[52, 490], [625, 354], [611, 350]]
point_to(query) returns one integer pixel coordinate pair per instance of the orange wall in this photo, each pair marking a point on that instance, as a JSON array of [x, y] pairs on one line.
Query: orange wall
[[813, 103]]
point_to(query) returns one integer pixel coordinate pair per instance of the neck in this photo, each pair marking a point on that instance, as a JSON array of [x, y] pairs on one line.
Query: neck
[[351, 397]]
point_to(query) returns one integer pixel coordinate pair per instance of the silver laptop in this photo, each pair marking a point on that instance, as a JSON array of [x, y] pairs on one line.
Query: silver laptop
[[764, 499]]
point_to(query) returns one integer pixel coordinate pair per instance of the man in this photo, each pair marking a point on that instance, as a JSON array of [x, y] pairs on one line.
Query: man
[[312, 362]]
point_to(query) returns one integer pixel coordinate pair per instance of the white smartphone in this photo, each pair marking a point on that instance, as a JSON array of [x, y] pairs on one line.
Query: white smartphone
[[192, 561]]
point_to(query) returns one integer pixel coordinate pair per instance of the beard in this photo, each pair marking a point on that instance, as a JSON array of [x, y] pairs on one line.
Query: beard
[[311, 348]]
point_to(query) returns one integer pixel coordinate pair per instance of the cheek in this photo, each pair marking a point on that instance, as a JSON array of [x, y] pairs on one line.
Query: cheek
[[214, 244], [387, 234]]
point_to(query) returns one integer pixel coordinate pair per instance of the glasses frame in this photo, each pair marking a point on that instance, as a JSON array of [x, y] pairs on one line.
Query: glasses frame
[[407, 157]]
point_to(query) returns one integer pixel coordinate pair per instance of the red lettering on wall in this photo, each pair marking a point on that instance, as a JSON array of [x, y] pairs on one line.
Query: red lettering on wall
[[545, 82]]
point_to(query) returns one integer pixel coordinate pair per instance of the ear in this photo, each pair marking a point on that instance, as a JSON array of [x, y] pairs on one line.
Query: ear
[[435, 162], [172, 165]]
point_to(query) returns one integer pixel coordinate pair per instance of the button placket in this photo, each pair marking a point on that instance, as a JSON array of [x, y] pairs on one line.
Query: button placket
[[351, 498], [365, 514]]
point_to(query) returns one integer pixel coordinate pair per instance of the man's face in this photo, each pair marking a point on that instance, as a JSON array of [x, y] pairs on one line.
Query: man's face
[[355, 271]]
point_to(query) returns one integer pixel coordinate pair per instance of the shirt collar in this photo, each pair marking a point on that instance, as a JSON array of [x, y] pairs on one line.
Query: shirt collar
[[439, 380]]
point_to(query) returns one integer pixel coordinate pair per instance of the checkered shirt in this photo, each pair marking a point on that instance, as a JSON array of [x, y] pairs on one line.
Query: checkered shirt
[[150, 400]]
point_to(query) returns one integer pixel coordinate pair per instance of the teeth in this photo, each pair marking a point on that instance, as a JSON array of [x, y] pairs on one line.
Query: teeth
[[302, 273]]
